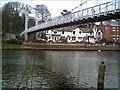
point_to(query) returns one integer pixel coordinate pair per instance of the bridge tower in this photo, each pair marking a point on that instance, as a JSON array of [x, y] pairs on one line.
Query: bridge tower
[[27, 17], [26, 26]]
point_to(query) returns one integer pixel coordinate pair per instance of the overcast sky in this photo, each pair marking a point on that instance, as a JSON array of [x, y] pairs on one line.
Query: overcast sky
[[57, 6]]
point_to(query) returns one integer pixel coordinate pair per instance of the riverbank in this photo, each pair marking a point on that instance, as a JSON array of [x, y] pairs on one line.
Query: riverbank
[[60, 47]]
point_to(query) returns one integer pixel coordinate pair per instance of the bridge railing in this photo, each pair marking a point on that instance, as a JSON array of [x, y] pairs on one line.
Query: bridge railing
[[102, 9], [99, 9]]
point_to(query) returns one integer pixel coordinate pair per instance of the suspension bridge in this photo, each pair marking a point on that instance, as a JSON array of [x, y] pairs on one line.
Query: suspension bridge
[[101, 12]]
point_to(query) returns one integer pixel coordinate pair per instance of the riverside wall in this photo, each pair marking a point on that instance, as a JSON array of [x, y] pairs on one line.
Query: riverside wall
[[61, 47]]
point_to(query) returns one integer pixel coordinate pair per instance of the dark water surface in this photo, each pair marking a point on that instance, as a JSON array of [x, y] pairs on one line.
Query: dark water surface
[[51, 69]]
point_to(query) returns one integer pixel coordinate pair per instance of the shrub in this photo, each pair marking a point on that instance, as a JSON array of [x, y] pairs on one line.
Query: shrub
[[107, 42], [12, 41], [117, 43]]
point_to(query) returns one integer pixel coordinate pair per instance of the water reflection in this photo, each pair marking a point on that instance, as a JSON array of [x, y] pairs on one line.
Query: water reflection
[[53, 69]]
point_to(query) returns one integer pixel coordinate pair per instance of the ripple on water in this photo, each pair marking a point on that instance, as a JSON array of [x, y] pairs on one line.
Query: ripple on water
[[57, 69]]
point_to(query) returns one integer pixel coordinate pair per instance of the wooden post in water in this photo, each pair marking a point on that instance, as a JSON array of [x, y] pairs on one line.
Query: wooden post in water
[[101, 75]]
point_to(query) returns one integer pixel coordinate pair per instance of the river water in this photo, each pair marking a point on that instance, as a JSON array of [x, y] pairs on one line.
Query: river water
[[53, 69]]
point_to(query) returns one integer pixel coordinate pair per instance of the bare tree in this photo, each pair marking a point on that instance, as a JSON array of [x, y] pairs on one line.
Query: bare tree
[[42, 12]]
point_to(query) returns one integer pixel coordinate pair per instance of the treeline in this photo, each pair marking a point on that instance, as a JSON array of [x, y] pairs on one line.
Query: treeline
[[13, 16]]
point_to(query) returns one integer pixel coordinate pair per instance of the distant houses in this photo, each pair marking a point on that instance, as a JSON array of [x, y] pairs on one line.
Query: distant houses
[[71, 34], [82, 34], [109, 30], [97, 33]]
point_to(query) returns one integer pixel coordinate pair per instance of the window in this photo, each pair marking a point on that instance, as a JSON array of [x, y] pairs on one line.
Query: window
[[118, 39], [55, 32], [99, 33], [55, 38], [113, 27], [73, 32], [69, 38], [79, 38], [62, 32], [114, 39], [80, 32], [113, 32], [73, 38], [91, 33]]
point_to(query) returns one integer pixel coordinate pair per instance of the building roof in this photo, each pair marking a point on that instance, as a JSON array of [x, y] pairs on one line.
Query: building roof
[[85, 30], [115, 23], [111, 23], [98, 29], [69, 28]]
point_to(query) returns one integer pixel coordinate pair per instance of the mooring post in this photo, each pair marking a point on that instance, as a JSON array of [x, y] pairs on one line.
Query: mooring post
[[101, 76]]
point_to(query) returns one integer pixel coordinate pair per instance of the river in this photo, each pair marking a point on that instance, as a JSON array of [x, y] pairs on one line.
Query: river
[[53, 69]]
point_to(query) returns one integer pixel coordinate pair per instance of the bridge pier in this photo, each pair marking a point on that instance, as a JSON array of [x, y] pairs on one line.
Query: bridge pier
[[26, 37], [101, 76]]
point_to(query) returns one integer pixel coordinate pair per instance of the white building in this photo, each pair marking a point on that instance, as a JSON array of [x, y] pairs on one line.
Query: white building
[[97, 32], [82, 34], [71, 34], [53, 35]]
